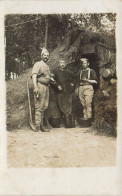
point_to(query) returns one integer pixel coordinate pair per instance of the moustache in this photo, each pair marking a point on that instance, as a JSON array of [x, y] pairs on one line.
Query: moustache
[[46, 59]]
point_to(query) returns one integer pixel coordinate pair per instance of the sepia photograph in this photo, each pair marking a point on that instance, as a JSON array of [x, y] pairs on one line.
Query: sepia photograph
[[61, 90], [60, 98]]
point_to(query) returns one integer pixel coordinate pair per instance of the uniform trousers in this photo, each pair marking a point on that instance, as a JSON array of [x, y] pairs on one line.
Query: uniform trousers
[[41, 103], [86, 93], [65, 103]]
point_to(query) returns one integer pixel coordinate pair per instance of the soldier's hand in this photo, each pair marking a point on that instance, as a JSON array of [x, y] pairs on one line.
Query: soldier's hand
[[59, 88], [85, 79], [35, 90], [52, 74]]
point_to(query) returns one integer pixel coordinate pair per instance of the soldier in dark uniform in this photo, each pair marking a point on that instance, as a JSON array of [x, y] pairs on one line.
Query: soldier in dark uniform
[[65, 81]]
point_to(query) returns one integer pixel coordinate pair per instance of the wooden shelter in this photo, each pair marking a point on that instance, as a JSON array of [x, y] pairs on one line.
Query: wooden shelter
[[99, 48]]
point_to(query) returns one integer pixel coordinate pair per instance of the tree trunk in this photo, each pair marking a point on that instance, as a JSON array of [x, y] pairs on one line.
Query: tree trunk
[[46, 32]]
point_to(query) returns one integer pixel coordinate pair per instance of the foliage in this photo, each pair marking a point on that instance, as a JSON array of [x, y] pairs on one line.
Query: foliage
[[103, 22], [25, 34]]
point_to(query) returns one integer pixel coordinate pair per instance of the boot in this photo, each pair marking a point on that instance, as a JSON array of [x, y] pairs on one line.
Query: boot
[[55, 122], [69, 121], [46, 123], [43, 129], [84, 122], [89, 122], [73, 121], [37, 128]]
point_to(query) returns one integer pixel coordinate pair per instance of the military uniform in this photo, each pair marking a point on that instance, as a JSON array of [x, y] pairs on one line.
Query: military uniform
[[86, 91], [42, 99], [65, 78]]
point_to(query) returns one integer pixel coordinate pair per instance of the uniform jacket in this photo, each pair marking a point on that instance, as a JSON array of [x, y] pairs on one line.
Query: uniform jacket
[[65, 78], [43, 72], [88, 73]]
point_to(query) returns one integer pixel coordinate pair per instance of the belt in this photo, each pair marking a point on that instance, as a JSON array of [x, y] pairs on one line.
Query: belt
[[85, 85], [46, 84]]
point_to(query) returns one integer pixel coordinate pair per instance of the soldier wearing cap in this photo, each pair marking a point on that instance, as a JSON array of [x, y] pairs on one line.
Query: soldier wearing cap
[[41, 77], [87, 78]]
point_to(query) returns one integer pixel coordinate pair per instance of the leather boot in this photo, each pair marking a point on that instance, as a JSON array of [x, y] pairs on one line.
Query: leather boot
[[73, 121], [69, 121], [37, 128], [89, 121], [43, 129]]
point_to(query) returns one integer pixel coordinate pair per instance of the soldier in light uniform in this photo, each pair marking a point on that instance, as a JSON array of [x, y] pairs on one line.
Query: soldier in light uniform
[[41, 77], [87, 78]]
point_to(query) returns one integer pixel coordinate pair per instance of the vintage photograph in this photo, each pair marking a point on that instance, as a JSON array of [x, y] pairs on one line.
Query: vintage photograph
[[61, 90]]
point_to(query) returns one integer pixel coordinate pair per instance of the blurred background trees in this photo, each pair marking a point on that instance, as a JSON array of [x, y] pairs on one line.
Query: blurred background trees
[[25, 35]]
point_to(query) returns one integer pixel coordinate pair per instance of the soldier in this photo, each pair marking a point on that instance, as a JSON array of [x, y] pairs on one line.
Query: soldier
[[65, 80], [87, 78], [41, 78]]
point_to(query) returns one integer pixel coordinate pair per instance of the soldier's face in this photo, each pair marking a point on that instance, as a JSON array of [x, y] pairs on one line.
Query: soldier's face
[[85, 64], [45, 57], [62, 64]]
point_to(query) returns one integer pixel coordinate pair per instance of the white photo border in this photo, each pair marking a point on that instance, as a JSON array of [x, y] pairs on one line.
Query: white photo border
[[56, 181]]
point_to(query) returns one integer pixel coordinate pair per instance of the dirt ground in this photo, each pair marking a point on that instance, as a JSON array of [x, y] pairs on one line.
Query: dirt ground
[[76, 147]]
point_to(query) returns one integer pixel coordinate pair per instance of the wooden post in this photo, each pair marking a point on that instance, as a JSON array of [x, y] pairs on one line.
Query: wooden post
[[46, 32]]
